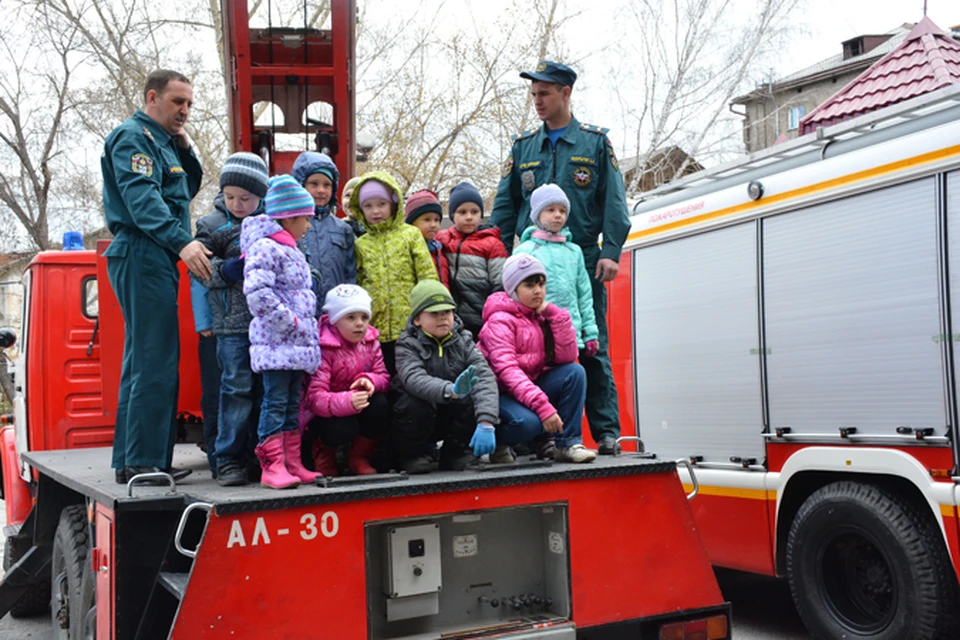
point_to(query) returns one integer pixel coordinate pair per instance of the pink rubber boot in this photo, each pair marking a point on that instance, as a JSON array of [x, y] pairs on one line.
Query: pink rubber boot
[[291, 451], [324, 459], [275, 475]]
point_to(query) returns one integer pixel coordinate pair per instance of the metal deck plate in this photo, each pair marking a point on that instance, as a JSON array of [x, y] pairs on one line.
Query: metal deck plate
[[88, 472]]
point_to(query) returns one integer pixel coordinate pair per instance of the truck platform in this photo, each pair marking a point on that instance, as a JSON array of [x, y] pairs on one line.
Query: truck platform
[[527, 550]]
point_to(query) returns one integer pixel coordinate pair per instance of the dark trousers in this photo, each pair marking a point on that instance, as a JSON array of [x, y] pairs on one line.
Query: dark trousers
[[281, 402], [602, 406], [145, 280], [241, 391], [417, 424], [341, 431], [209, 394], [389, 351], [565, 386]]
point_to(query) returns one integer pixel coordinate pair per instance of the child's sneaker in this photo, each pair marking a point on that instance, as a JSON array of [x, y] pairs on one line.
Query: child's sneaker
[[455, 462], [416, 466], [546, 450], [230, 474], [502, 455], [576, 453]]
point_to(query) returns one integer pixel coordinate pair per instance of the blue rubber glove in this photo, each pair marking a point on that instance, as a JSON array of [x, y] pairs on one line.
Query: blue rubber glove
[[484, 439], [232, 270], [465, 382]]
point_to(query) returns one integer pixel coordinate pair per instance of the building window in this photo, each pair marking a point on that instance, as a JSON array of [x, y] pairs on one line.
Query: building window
[[793, 117]]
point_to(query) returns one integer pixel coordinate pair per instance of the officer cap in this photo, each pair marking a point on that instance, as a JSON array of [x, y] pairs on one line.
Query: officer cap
[[550, 71]]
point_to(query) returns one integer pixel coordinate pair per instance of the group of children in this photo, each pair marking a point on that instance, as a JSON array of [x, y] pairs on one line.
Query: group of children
[[381, 335]]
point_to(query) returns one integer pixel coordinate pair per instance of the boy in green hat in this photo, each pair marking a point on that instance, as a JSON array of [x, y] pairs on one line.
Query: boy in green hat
[[445, 388]]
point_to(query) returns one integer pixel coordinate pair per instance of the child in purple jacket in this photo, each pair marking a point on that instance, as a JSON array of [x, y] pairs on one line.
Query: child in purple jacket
[[283, 333]]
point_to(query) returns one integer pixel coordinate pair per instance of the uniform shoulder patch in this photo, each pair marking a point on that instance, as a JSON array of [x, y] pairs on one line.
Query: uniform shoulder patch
[[507, 167], [523, 134], [142, 163], [149, 135], [592, 128]]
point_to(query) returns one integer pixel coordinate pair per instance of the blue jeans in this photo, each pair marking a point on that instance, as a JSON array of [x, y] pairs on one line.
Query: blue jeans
[[281, 402], [566, 387], [209, 394], [239, 394]]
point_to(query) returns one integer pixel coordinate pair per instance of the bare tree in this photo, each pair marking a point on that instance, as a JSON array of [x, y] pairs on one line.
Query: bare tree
[[687, 59]]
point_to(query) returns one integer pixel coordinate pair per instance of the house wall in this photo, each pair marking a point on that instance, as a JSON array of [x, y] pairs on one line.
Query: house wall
[[767, 116]]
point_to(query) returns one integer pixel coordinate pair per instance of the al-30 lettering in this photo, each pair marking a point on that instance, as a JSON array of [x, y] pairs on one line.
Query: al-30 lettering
[[328, 527]]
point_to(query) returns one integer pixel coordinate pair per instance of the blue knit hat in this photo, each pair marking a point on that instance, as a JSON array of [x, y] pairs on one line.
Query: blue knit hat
[[247, 171], [287, 199], [463, 192]]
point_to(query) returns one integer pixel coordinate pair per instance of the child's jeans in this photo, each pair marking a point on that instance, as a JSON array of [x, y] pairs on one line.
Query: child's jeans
[[209, 394], [341, 431], [418, 424], [281, 402], [566, 387], [240, 391]]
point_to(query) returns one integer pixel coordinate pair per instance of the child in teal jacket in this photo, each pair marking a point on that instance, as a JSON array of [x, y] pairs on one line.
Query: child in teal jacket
[[549, 241]]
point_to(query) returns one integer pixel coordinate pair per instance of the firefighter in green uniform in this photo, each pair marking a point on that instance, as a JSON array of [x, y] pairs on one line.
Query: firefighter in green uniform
[[580, 159], [150, 175]]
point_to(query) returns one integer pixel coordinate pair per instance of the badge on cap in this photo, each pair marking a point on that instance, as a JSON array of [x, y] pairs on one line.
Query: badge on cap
[[542, 66], [529, 180], [582, 177]]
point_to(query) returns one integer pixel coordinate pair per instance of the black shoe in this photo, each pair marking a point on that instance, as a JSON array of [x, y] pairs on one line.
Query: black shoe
[[120, 475], [416, 466], [546, 449], [230, 474], [608, 446], [176, 474], [456, 461]]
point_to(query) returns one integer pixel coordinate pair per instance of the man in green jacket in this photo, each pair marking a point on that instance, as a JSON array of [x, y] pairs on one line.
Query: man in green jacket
[[150, 175], [580, 159]]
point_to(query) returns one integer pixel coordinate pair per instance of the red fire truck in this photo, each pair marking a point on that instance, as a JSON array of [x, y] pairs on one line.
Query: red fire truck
[[786, 323], [528, 550]]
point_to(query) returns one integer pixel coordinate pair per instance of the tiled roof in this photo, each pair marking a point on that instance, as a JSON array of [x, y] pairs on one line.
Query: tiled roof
[[926, 60]]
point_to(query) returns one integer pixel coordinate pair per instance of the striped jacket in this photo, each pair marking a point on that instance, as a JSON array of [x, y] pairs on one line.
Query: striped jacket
[[476, 270]]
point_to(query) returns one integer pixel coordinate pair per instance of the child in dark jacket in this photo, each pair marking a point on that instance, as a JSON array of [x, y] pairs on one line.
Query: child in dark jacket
[[283, 332], [475, 255], [243, 184], [532, 347], [445, 389], [328, 243], [425, 213], [345, 402]]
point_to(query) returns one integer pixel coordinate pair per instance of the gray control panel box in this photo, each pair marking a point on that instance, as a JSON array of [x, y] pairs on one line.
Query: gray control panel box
[[413, 560]]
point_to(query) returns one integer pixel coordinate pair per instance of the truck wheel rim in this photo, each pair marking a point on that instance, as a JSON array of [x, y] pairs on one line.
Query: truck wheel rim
[[856, 582]]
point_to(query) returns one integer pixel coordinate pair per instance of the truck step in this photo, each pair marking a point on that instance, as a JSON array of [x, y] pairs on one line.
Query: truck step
[[174, 582]]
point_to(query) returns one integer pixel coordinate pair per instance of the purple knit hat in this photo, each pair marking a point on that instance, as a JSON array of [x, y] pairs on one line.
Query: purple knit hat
[[518, 268], [373, 188]]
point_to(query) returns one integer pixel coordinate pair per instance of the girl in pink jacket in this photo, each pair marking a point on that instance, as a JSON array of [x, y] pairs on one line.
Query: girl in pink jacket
[[345, 402], [532, 348]]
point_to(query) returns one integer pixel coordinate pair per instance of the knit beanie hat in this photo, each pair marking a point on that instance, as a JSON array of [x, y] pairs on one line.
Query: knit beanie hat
[[373, 188], [351, 184], [543, 197], [287, 199], [463, 192], [430, 295], [518, 268], [247, 171], [421, 202], [344, 299]]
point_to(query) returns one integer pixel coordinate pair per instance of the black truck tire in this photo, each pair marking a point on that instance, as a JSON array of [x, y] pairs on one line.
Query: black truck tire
[[864, 563], [70, 544], [36, 601]]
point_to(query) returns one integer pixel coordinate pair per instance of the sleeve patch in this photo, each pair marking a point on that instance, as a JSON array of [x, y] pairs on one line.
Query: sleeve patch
[[507, 167], [613, 156], [142, 163]]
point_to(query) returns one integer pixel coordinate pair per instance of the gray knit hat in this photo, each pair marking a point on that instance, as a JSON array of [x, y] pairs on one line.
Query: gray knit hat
[[247, 171]]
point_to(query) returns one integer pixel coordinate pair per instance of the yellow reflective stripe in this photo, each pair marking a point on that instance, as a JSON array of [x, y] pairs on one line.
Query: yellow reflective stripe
[[733, 492], [804, 191]]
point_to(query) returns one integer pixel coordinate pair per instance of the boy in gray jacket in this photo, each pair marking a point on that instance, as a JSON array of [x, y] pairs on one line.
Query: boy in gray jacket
[[445, 390], [243, 184]]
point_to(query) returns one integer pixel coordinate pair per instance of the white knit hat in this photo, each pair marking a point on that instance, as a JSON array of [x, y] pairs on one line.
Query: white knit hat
[[543, 197], [344, 299]]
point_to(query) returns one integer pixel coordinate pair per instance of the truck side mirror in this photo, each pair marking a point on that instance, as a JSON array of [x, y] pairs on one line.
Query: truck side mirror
[[7, 338]]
